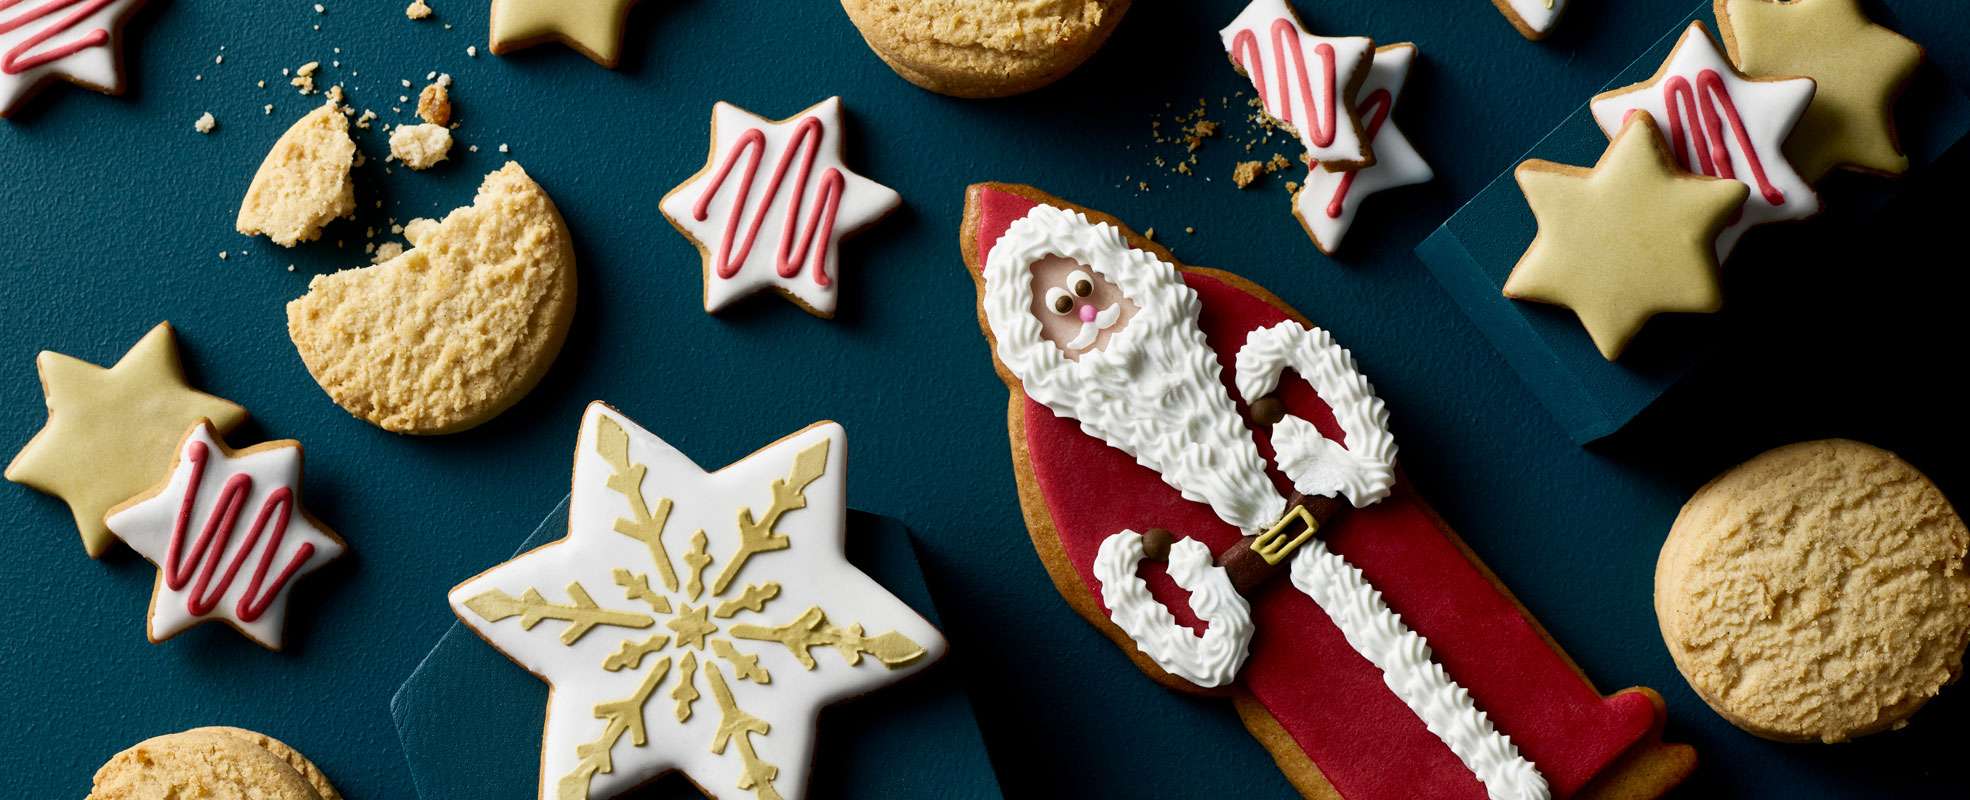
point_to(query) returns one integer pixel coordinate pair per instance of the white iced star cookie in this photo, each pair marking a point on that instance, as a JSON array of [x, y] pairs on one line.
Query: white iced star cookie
[[229, 536], [1720, 123], [772, 204], [73, 40], [1308, 83], [1533, 18], [698, 622], [1327, 201]]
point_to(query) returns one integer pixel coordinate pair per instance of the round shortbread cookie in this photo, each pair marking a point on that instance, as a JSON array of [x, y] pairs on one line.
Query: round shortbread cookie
[[204, 763], [457, 328], [309, 772], [984, 48], [1816, 592]]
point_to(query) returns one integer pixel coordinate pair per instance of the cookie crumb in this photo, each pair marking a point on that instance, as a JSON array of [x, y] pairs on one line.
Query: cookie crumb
[[1190, 230], [1246, 172], [222, 255], [218, 59], [290, 268], [434, 103], [417, 10], [387, 251], [363, 121], [472, 51], [319, 9], [205, 124], [1149, 234], [1292, 186], [304, 78], [420, 146]]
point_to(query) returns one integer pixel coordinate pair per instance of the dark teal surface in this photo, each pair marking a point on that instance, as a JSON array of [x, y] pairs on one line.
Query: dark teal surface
[[115, 213], [1475, 250], [470, 718]]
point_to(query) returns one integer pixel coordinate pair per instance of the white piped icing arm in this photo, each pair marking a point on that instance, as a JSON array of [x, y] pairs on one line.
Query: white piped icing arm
[[1209, 660], [1364, 470], [1380, 636]]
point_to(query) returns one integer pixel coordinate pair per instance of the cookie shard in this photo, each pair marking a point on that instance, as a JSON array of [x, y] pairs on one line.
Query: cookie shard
[[1816, 592], [304, 183], [456, 329], [1347, 734], [984, 48], [203, 763]]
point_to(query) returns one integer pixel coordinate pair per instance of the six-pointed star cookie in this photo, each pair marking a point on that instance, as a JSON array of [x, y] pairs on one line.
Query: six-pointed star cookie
[[1624, 241], [1861, 68], [1723, 124], [1327, 202], [771, 206], [110, 432], [71, 40], [229, 536], [694, 621], [592, 27]]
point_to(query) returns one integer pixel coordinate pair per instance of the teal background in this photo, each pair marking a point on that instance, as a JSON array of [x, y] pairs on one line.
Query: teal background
[[115, 212]]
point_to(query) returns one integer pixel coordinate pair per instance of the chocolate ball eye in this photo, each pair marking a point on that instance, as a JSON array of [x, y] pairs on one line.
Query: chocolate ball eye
[[1059, 302], [1080, 283]]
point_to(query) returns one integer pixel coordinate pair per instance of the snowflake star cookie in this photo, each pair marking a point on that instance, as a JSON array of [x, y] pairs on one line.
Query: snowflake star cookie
[[1326, 203], [772, 204], [1307, 83], [73, 40], [229, 536], [1723, 124], [697, 622], [1631, 238]]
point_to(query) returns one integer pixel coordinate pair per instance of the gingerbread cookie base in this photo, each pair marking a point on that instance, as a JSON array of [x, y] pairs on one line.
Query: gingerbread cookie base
[[1607, 746]]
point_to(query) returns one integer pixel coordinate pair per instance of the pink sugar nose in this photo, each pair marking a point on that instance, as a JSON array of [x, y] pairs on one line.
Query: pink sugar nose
[[1087, 312]]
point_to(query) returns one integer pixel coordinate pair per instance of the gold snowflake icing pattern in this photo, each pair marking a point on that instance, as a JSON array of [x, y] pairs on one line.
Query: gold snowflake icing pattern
[[695, 623]]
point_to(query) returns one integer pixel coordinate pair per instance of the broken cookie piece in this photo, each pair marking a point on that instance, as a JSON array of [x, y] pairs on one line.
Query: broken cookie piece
[[304, 181], [420, 146]]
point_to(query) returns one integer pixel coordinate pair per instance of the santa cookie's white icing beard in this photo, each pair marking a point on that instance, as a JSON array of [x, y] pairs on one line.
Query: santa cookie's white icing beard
[[1147, 381]]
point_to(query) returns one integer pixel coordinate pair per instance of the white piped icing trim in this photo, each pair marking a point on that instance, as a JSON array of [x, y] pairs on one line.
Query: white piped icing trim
[[1156, 383], [1209, 660], [1364, 470], [1379, 635]]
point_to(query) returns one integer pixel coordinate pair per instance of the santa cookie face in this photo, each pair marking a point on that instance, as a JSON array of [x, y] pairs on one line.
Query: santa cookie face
[[1079, 309]]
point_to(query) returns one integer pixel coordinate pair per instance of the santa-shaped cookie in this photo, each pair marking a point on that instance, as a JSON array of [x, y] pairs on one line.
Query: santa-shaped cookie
[[1245, 532]]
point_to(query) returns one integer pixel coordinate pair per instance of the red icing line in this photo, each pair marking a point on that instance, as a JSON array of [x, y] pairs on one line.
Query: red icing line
[[15, 61], [1327, 697], [1711, 152], [1245, 52], [210, 548], [1376, 108], [827, 202]]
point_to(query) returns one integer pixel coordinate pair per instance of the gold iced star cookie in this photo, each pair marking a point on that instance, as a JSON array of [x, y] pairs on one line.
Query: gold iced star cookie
[[1861, 68], [111, 433], [592, 27], [1627, 240]]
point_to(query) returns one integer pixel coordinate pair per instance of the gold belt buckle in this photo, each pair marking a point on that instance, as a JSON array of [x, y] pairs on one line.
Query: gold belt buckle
[[1274, 547]]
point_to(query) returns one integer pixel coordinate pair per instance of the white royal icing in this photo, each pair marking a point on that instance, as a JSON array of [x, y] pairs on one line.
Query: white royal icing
[[1285, 53], [789, 232], [810, 571], [1156, 384], [1539, 15], [147, 527], [1209, 660], [1364, 470], [1396, 161], [30, 28], [1766, 111], [1380, 636]]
